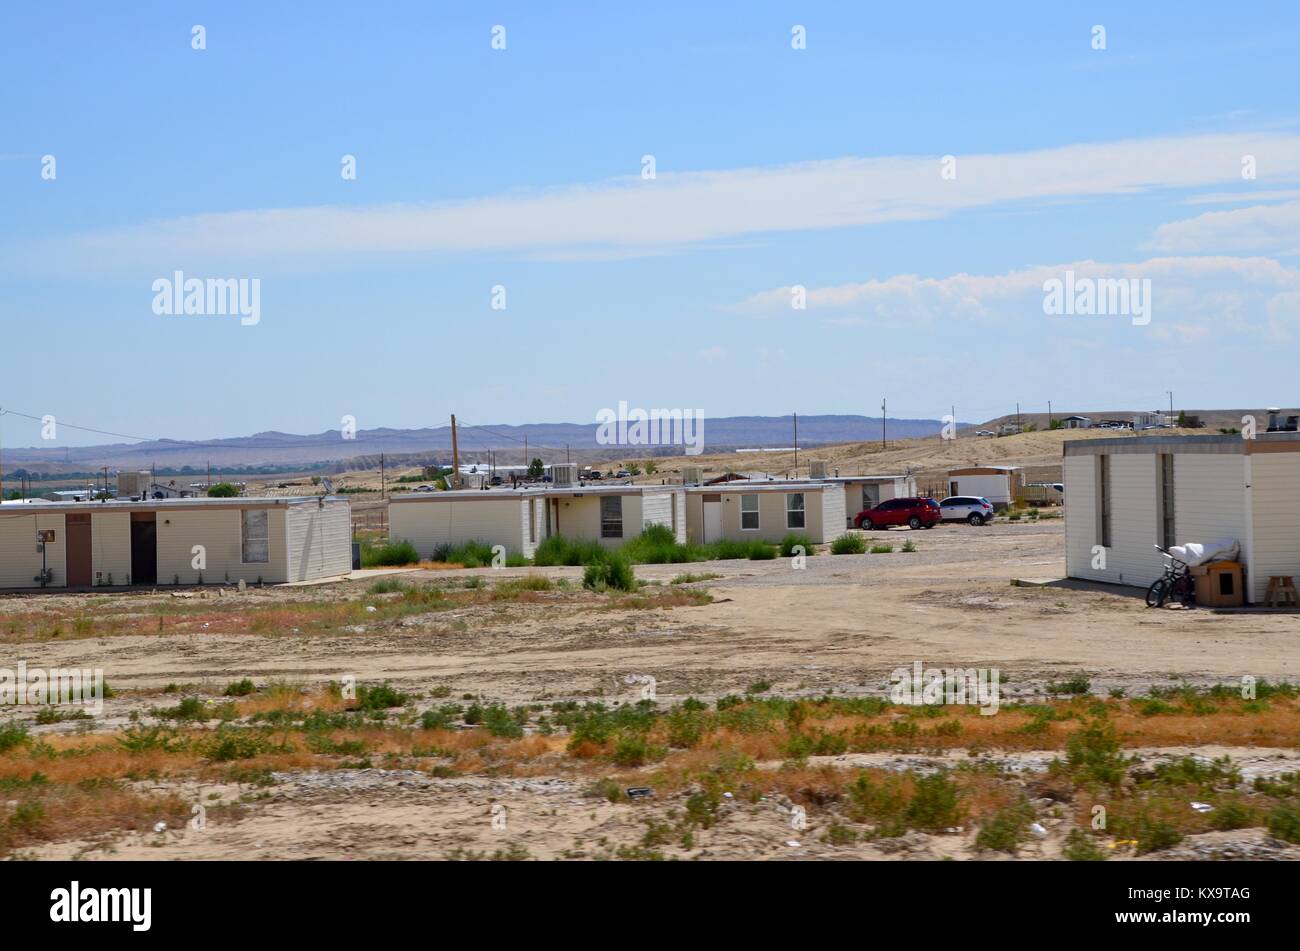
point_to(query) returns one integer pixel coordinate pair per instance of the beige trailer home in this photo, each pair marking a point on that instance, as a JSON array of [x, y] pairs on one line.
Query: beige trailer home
[[765, 510], [184, 541], [999, 484], [519, 519], [1123, 496]]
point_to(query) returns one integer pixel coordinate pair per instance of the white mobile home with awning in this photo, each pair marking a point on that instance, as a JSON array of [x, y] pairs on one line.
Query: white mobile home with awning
[[174, 541], [1123, 496]]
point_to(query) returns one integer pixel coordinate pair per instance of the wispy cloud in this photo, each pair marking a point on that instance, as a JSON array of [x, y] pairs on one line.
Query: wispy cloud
[[1190, 297], [1272, 228], [627, 217]]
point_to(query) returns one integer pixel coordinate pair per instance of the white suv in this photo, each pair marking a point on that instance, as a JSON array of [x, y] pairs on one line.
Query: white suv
[[966, 508]]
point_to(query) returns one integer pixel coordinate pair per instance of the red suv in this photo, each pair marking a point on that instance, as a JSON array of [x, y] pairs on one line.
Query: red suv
[[914, 513]]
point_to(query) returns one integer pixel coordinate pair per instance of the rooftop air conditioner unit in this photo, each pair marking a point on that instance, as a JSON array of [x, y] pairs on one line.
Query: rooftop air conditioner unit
[[564, 474], [817, 469], [692, 475]]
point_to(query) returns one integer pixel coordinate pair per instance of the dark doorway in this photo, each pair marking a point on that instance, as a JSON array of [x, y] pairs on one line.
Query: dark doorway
[[144, 548], [77, 525]]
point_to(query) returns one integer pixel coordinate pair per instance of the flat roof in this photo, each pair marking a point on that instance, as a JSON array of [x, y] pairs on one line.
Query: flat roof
[[1225, 443], [533, 491], [745, 488], [126, 505]]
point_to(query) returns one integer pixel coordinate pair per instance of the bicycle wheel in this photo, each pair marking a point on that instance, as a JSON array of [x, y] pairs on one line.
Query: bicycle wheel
[[1157, 593]]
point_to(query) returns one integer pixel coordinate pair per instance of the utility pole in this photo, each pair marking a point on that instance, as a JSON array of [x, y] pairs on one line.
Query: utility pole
[[567, 457], [455, 456], [527, 462], [882, 424], [1049, 414], [1019, 425], [383, 484], [1171, 406], [796, 445]]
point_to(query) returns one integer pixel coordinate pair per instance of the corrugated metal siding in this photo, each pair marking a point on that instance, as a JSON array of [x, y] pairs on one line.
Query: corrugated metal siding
[[429, 524], [110, 547], [219, 531], [20, 562], [319, 539], [1275, 478]]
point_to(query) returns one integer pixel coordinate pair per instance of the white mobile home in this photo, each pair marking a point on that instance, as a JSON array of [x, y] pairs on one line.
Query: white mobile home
[[999, 484], [1123, 496], [185, 541], [519, 519], [766, 510]]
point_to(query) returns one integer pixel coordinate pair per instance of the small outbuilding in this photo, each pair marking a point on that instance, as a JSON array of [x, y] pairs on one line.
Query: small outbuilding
[[999, 484], [1076, 422], [1125, 496], [184, 541]]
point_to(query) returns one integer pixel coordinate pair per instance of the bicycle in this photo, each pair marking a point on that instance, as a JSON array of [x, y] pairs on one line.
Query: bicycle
[[1175, 584]]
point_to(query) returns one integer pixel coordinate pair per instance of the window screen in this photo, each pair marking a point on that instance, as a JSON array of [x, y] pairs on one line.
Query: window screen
[[794, 510], [256, 538], [611, 516], [749, 512]]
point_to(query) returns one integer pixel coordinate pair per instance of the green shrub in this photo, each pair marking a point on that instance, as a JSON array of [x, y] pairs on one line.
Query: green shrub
[[1093, 753], [1154, 834], [1080, 847], [379, 697], [634, 749], [1006, 829], [388, 554], [881, 549], [558, 550], [1076, 685], [614, 573], [472, 554], [12, 735], [1284, 823], [239, 688], [848, 544], [934, 805], [228, 744], [387, 586], [793, 540], [222, 490]]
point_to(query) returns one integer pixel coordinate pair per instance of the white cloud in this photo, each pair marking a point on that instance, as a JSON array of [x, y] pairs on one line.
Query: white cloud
[[631, 216], [1191, 297], [1274, 228]]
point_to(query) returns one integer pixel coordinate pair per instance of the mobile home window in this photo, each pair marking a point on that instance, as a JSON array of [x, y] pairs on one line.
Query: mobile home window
[[749, 512], [1167, 535], [611, 516], [1103, 501], [794, 510], [255, 535]]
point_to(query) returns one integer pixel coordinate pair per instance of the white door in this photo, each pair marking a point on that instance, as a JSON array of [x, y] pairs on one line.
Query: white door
[[712, 521]]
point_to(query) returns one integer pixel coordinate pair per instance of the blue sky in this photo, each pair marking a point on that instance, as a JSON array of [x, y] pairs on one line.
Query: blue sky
[[521, 167]]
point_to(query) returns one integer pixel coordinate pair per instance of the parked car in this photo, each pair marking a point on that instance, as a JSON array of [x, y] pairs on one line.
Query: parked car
[[966, 508], [985, 432], [623, 474], [914, 513]]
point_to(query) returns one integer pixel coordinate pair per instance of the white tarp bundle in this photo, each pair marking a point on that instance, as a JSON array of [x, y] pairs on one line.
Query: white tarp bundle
[[1196, 553]]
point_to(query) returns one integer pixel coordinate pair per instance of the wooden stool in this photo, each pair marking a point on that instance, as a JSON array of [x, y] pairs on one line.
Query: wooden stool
[[1281, 590]]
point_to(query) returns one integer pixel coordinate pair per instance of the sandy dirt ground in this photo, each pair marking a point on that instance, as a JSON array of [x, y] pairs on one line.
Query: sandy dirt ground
[[842, 623]]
